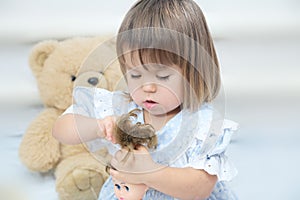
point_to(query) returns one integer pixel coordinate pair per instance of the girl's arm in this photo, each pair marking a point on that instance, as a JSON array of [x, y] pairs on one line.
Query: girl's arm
[[75, 129], [182, 183]]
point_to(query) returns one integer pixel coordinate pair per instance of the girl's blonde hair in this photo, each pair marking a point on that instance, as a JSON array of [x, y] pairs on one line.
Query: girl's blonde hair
[[173, 32]]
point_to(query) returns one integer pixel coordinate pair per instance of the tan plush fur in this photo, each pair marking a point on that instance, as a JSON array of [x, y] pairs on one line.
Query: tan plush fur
[[55, 64]]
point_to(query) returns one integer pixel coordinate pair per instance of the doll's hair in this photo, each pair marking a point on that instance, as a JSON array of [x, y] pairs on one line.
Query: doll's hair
[[131, 135], [172, 32]]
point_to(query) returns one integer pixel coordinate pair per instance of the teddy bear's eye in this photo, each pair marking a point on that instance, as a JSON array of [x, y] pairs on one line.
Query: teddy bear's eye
[[73, 78]]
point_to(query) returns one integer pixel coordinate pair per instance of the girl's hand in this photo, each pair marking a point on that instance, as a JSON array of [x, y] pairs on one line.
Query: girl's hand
[[106, 128], [132, 167]]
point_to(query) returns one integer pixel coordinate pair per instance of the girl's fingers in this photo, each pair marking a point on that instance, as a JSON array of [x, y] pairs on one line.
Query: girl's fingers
[[107, 128], [101, 129], [141, 149], [112, 172]]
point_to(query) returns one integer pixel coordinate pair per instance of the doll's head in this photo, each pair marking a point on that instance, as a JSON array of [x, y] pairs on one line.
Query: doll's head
[[131, 135], [172, 33], [125, 191]]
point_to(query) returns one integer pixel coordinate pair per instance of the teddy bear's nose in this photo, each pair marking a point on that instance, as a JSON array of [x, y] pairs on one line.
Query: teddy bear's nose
[[93, 81]]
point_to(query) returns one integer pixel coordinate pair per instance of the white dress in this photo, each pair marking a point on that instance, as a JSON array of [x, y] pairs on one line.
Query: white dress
[[187, 140]]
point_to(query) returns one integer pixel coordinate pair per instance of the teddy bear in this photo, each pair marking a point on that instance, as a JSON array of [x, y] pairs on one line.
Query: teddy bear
[[57, 67]]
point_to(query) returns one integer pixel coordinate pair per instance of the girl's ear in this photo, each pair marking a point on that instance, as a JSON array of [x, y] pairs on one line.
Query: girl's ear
[[39, 55]]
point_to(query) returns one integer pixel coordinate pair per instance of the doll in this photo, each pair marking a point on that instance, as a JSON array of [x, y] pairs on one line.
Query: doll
[[131, 135]]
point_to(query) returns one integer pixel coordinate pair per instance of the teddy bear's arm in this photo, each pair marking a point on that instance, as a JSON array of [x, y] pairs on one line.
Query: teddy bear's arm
[[39, 150]]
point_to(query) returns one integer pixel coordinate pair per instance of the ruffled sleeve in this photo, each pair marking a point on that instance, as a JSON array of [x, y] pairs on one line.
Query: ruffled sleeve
[[98, 102], [214, 162]]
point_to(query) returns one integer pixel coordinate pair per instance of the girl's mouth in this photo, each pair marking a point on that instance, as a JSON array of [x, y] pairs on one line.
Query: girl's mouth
[[149, 104]]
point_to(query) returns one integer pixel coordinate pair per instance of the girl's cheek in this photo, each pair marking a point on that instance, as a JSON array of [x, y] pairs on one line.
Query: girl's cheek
[[133, 87]]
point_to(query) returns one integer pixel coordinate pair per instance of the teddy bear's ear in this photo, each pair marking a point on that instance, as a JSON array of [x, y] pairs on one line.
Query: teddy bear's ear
[[40, 53]]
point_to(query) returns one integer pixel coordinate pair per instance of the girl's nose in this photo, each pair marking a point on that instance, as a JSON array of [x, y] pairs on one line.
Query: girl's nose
[[149, 87]]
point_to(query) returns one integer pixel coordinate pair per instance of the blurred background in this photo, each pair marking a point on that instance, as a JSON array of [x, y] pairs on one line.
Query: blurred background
[[258, 44]]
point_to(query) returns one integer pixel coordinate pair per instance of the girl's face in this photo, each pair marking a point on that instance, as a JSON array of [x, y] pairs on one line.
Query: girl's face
[[156, 88], [125, 191]]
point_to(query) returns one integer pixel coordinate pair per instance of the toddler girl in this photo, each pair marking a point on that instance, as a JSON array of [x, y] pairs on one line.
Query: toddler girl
[[169, 62]]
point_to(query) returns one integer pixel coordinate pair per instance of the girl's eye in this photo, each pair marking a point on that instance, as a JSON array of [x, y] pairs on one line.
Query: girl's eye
[[135, 76], [118, 186], [126, 188], [164, 78]]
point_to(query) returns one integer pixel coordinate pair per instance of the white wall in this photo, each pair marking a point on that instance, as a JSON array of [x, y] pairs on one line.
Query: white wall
[[32, 20], [250, 38]]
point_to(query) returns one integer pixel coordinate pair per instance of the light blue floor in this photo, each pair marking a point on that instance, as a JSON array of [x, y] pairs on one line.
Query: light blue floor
[[262, 93]]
